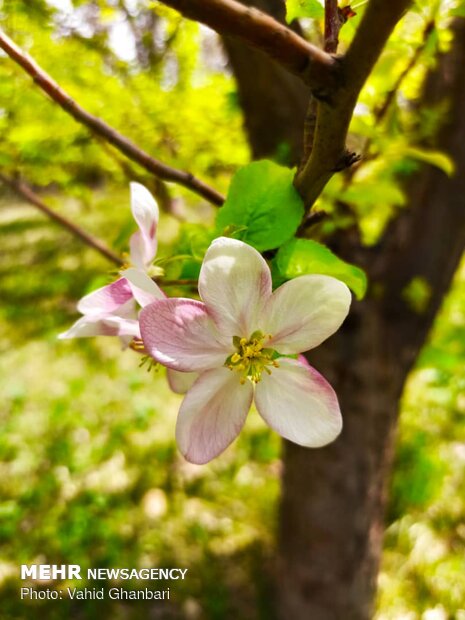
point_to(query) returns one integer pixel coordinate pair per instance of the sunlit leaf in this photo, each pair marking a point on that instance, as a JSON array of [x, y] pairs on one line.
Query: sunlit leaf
[[304, 256], [435, 158], [303, 8], [262, 207]]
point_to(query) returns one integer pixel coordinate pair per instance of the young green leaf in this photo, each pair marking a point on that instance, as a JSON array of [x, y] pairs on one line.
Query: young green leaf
[[299, 257], [303, 8], [263, 207], [435, 158]]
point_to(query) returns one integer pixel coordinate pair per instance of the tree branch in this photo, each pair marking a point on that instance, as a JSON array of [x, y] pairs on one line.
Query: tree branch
[[98, 126], [26, 192], [329, 153], [333, 23], [332, 26], [158, 188], [317, 68]]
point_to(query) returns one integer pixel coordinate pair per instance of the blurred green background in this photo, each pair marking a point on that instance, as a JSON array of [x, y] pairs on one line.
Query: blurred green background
[[90, 473]]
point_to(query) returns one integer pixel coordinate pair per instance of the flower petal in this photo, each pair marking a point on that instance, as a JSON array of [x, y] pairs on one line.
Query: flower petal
[[181, 382], [143, 243], [143, 288], [106, 299], [212, 414], [305, 311], [180, 334], [234, 283], [299, 404], [104, 325]]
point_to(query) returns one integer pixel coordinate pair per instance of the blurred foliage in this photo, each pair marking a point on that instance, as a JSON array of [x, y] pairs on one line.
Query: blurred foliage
[[390, 128], [180, 106], [89, 473], [424, 559]]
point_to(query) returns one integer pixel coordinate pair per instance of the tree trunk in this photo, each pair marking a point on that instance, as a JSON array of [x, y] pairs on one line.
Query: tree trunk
[[274, 102], [332, 509], [333, 499], [332, 505]]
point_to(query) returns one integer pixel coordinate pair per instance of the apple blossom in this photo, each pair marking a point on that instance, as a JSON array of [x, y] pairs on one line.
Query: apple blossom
[[244, 340], [111, 310]]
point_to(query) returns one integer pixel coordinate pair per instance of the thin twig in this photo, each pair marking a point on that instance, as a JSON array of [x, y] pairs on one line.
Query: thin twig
[[317, 68], [313, 218], [97, 125], [157, 186], [26, 192], [332, 26], [381, 111]]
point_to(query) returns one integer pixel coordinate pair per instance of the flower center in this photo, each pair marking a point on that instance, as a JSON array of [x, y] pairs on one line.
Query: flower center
[[252, 357]]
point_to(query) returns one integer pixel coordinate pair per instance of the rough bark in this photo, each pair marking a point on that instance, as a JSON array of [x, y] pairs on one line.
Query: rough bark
[[333, 499], [332, 505]]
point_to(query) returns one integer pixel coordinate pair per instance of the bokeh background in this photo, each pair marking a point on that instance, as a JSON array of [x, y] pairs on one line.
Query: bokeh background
[[89, 470]]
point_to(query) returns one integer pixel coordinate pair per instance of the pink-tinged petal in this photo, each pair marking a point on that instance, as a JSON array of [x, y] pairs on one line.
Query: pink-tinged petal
[[143, 243], [105, 325], [212, 414], [127, 310], [181, 382], [180, 334], [143, 288], [106, 299], [299, 404], [305, 311], [234, 283]]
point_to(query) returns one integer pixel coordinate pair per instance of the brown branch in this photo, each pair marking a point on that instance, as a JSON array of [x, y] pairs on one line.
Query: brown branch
[[329, 153], [317, 68], [333, 23], [158, 188], [332, 26], [26, 192], [95, 124], [310, 220]]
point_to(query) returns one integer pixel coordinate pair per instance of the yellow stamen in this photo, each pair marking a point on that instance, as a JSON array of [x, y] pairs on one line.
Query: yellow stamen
[[251, 357], [136, 344]]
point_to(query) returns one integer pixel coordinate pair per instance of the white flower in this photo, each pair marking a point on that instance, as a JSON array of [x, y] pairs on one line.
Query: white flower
[[111, 310], [239, 339]]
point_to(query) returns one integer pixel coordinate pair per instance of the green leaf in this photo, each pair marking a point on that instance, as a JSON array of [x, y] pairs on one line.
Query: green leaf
[[303, 256], [263, 207], [303, 8], [435, 158]]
